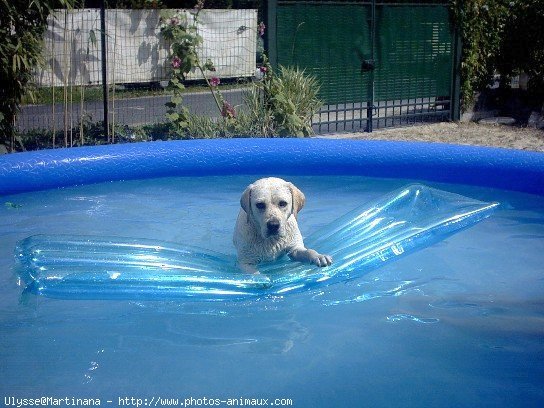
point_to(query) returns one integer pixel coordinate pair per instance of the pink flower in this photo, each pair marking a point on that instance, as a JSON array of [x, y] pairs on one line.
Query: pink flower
[[228, 111], [176, 62], [215, 81], [174, 21], [260, 28], [199, 5], [263, 69]]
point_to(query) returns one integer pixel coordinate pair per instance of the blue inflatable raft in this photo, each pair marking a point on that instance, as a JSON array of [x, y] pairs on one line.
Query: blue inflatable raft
[[84, 267]]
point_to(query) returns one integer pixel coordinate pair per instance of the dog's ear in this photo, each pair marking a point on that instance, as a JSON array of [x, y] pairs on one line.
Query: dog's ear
[[245, 201], [298, 199]]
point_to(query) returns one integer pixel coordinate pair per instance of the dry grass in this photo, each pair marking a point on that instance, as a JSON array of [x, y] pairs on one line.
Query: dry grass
[[467, 133]]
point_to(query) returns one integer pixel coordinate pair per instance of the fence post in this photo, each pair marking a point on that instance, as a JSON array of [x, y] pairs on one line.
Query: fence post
[[455, 114], [270, 37], [104, 67], [370, 103]]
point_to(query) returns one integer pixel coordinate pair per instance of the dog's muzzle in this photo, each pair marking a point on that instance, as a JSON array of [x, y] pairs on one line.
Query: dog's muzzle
[[273, 227]]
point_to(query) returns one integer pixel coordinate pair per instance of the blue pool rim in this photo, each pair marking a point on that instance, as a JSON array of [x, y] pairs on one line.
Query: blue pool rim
[[507, 169]]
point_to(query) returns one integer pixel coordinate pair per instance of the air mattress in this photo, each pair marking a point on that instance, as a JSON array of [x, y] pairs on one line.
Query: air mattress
[[399, 223]]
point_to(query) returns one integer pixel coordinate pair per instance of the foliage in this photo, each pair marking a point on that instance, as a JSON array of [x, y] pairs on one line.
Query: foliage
[[280, 104], [22, 24], [181, 30], [135, 4], [201, 127], [176, 4], [93, 135], [522, 46], [501, 36], [276, 103], [290, 99], [205, 127], [481, 24]]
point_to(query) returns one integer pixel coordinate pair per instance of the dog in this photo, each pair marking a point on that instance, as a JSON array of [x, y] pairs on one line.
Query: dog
[[267, 228]]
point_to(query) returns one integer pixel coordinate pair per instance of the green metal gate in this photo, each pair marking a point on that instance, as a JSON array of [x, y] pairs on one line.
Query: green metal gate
[[380, 63]]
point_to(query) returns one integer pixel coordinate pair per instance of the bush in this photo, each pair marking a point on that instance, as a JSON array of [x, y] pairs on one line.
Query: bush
[[293, 101], [522, 45], [481, 24], [499, 36], [92, 135], [279, 105], [22, 24]]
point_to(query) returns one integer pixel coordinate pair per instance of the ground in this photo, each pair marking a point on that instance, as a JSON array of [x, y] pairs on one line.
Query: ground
[[468, 133]]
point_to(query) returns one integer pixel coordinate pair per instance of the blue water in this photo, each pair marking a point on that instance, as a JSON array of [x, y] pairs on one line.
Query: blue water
[[459, 324]]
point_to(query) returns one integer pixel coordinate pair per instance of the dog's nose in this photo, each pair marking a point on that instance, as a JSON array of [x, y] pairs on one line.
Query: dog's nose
[[273, 226]]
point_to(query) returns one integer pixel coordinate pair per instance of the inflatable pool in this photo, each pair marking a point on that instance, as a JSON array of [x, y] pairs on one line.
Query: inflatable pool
[[457, 323], [488, 167], [401, 222]]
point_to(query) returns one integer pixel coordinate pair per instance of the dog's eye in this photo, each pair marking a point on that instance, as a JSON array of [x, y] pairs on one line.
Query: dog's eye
[[283, 204], [260, 206]]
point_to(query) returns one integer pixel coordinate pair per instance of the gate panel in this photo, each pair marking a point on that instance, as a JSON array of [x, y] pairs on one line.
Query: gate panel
[[326, 40], [413, 64], [380, 63], [329, 40]]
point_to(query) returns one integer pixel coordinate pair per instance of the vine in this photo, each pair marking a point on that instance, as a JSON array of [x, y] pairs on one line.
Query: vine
[[184, 41], [22, 24], [499, 36]]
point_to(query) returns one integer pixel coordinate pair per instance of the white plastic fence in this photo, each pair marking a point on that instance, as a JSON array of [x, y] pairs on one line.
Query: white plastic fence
[[136, 51]]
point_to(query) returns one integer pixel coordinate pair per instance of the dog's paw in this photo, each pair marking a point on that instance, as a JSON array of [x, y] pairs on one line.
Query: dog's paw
[[322, 260], [249, 269]]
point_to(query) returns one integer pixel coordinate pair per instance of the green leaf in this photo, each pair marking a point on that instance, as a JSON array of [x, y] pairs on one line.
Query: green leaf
[[172, 116], [176, 100]]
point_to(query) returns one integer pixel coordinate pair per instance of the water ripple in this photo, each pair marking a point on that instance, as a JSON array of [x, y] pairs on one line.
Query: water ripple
[[394, 289], [401, 317]]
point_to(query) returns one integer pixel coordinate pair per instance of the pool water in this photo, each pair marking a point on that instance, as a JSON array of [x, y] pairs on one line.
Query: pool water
[[460, 323]]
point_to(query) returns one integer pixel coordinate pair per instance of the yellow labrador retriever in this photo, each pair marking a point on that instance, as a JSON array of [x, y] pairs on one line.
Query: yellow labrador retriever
[[267, 228]]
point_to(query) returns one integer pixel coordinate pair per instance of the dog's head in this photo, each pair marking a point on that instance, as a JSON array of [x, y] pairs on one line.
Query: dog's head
[[269, 202]]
